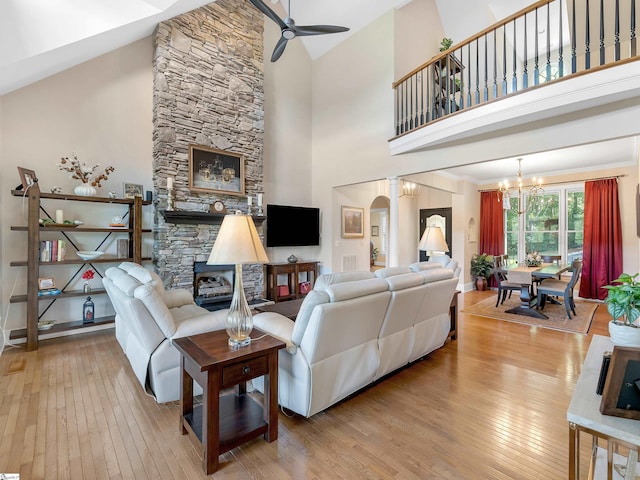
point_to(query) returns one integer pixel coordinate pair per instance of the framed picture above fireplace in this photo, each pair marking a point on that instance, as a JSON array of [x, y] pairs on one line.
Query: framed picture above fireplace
[[216, 171]]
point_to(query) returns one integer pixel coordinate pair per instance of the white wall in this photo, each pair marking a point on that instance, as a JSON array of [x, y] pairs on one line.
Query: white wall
[[100, 109], [287, 133]]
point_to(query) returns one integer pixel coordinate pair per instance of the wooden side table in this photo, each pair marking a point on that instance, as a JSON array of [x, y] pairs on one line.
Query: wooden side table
[[453, 313], [223, 422]]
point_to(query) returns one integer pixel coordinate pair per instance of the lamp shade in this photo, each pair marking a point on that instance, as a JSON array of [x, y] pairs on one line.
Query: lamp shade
[[433, 240], [237, 242]]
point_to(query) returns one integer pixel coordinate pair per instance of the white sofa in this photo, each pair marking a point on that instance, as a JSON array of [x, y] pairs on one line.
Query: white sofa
[[148, 317], [356, 327]]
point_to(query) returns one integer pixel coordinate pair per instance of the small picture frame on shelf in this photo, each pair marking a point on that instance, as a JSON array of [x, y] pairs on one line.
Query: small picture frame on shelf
[[46, 283], [27, 177], [621, 395], [132, 190]]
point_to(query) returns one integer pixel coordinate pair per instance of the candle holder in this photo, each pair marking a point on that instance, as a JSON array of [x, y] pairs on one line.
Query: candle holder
[[171, 200]]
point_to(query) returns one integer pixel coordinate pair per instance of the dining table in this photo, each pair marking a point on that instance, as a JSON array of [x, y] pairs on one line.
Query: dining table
[[524, 275]]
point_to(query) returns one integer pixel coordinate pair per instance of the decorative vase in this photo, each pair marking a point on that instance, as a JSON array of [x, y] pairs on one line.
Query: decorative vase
[[85, 190], [481, 284], [292, 259], [86, 288], [624, 335]]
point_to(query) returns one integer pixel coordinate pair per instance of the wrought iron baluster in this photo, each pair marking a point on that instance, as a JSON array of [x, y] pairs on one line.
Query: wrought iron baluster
[[587, 51], [616, 48], [560, 59], [548, 42], [633, 28], [410, 102], [601, 32], [495, 65], [504, 60], [536, 70], [406, 109], [461, 86], [397, 111], [469, 75], [525, 77], [477, 72], [486, 70], [447, 86], [573, 38], [422, 94], [514, 80]]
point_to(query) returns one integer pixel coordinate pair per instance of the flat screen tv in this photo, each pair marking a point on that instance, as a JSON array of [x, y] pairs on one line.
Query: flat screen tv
[[289, 226]]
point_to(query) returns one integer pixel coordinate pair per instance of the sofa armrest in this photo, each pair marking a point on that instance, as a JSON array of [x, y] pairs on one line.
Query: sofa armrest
[[277, 326], [177, 297]]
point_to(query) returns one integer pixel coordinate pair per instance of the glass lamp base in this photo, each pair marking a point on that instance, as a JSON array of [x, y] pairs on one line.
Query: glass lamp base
[[239, 343]]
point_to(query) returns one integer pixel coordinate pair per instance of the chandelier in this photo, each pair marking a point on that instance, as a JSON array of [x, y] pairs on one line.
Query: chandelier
[[410, 189], [534, 191]]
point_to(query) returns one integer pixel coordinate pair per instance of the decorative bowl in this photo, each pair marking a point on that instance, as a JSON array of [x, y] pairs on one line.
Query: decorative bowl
[[46, 324], [89, 255]]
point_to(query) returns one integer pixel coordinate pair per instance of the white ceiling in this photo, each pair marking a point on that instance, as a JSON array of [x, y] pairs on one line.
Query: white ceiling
[[604, 155]]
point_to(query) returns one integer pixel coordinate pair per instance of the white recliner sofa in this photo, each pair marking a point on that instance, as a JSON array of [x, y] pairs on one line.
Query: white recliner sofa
[[356, 327], [148, 318]]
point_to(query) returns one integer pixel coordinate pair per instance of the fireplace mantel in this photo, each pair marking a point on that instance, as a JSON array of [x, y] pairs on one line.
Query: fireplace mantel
[[193, 217]]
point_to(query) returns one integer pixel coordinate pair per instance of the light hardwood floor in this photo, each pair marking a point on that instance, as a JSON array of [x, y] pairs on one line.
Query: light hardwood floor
[[490, 405]]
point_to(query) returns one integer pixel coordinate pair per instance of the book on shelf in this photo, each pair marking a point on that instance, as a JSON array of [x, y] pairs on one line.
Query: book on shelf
[[49, 291], [123, 248], [52, 250]]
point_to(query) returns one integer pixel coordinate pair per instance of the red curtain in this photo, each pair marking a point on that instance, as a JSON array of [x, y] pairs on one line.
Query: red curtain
[[491, 225], [602, 252]]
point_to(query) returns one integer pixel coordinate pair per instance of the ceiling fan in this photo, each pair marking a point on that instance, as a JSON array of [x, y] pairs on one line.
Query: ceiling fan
[[289, 29]]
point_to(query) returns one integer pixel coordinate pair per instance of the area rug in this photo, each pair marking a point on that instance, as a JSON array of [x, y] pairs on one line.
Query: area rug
[[557, 315]]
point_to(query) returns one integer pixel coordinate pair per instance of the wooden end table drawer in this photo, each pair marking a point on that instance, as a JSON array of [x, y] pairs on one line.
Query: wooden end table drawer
[[243, 371]]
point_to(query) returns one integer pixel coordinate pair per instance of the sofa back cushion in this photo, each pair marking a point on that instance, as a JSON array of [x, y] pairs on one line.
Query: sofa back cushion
[[313, 298], [332, 278], [391, 272], [345, 291], [419, 266], [144, 276], [154, 303]]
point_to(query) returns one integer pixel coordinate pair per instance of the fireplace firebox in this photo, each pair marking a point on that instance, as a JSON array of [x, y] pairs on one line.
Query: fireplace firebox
[[213, 285]]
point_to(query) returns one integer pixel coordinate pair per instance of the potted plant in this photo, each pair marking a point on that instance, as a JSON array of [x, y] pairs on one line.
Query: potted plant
[[445, 44], [374, 255], [481, 265], [623, 304]]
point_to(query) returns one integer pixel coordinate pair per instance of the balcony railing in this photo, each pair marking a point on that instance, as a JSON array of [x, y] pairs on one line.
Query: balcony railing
[[545, 42]]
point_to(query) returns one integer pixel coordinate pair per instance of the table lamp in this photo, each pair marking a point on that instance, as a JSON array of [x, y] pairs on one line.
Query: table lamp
[[433, 240], [238, 243]]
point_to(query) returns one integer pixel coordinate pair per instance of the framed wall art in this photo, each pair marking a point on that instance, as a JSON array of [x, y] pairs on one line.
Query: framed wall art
[[621, 395], [352, 222], [213, 170], [374, 230], [132, 190]]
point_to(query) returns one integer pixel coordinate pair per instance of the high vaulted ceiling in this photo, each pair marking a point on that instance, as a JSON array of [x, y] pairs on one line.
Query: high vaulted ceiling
[[39, 38]]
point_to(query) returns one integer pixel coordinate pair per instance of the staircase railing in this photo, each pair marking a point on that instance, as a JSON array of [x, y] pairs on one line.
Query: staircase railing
[[542, 43]]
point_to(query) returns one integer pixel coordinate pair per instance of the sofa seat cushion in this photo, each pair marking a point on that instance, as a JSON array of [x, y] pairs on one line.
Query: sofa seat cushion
[[189, 322]]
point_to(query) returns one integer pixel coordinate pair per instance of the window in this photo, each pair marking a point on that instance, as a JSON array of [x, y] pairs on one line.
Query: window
[[552, 226]]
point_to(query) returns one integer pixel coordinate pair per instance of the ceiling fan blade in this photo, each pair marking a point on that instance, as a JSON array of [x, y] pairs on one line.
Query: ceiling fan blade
[[279, 49], [306, 30], [268, 12]]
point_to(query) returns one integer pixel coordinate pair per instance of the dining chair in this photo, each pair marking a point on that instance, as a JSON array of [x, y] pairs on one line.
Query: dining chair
[[556, 259], [561, 288], [504, 285]]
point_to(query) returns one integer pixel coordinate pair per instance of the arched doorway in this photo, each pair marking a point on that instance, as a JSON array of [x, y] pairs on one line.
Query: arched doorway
[[379, 232]]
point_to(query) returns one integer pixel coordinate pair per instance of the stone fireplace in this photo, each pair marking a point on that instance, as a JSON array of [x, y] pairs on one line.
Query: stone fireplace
[[208, 90]]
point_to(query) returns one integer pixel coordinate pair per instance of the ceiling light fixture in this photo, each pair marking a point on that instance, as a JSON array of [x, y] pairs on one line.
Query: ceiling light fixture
[[410, 189], [533, 192]]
